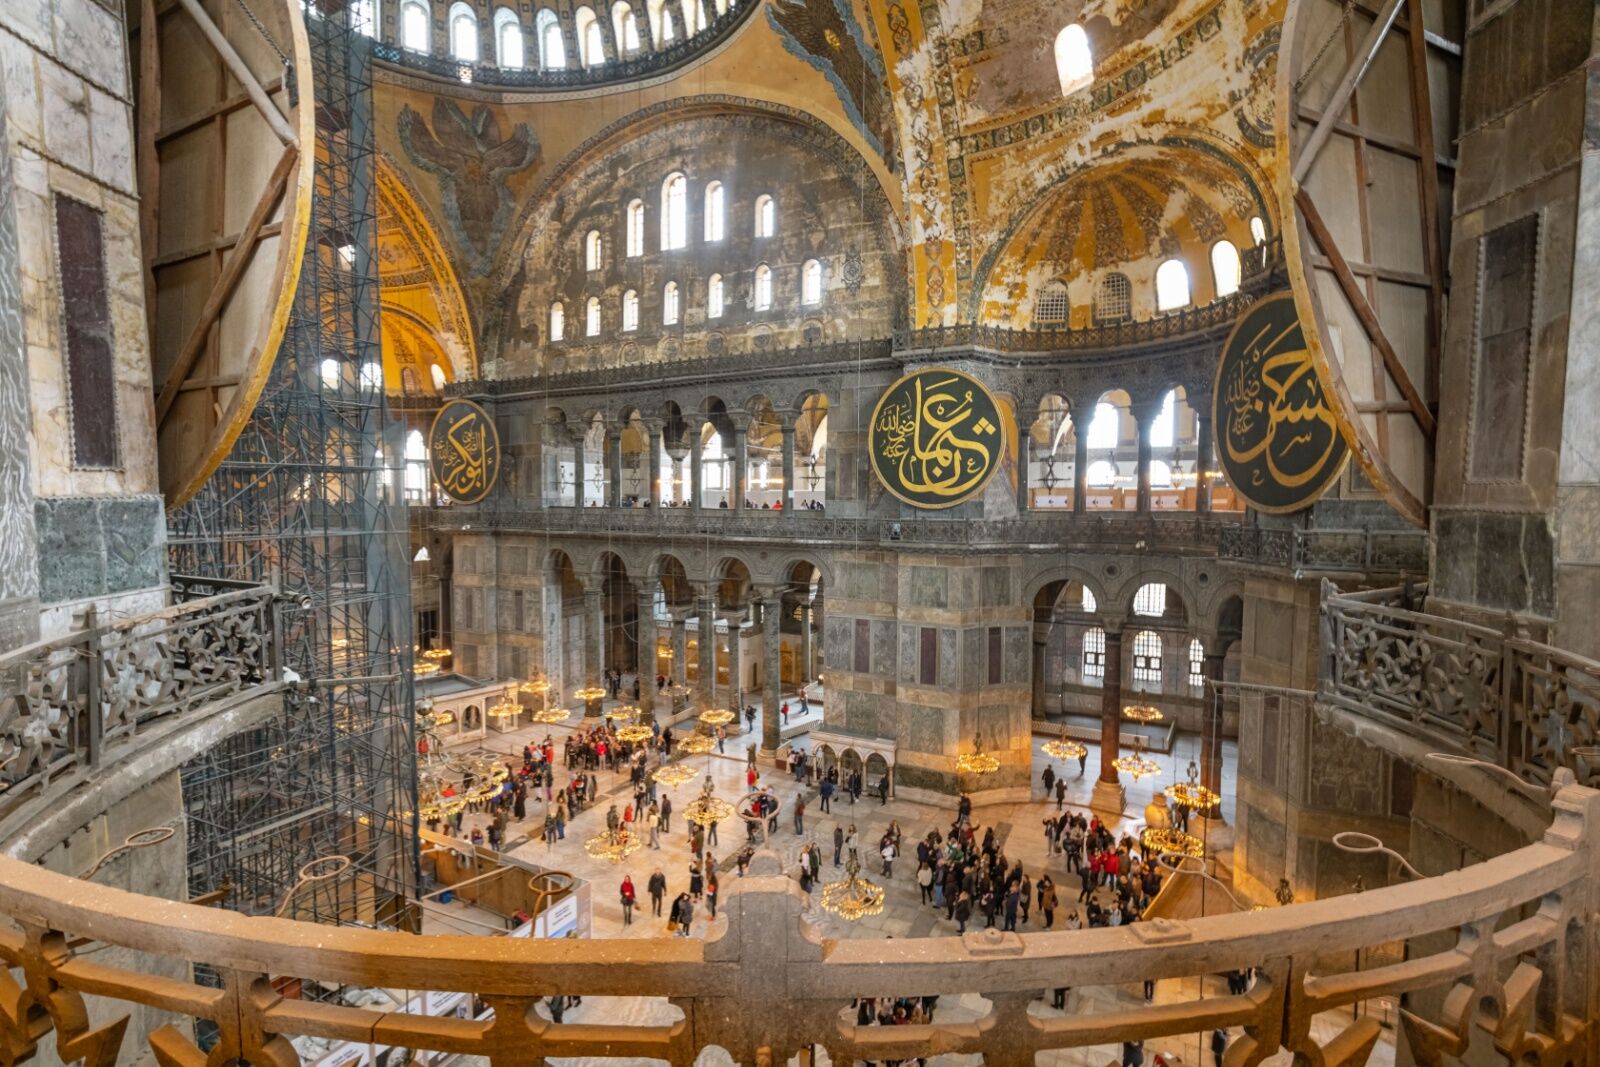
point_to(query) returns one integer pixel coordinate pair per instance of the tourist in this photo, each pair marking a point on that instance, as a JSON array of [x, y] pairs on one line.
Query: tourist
[[799, 816], [1133, 1054], [658, 889], [925, 882], [711, 892], [851, 843], [1049, 780], [1219, 1044], [1083, 761], [627, 900], [682, 917], [696, 880], [1061, 793], [883, 789], [652, 821], [1047, 900], [838, 841], [825, 790], [887, 851], [666, 815], [963, 912]]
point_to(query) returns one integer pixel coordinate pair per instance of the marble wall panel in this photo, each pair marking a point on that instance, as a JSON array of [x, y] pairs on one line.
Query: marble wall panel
[[1018, 665], [949, 658], [19, 567], [928, 587]]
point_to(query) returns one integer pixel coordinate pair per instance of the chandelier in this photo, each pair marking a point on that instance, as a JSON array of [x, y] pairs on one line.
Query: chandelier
[[423, 668], [977, 761], [550, 716], [437, 655], [1166, 841], [1064, 750], [1142, 713], [588, 693], [622, 713], [706, 808], [854, 897], [716, 717], [504, 709], [614, 845], [1136, 764], [536, 686], [696, 744], [444, 718], [634, 733], [1192, 794], [673, 774]]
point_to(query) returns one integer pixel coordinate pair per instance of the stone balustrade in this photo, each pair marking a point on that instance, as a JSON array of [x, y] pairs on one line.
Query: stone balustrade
[[1318, 551], [1516, 962], [63, 701]]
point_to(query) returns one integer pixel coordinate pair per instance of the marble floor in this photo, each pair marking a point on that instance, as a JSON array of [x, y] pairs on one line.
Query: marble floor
[[1017, 825]]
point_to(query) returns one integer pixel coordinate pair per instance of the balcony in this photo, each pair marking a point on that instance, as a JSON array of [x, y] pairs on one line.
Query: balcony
[[1327, 551]]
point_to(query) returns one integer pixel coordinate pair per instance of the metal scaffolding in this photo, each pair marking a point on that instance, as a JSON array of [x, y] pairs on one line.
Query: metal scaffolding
[[311, 499]]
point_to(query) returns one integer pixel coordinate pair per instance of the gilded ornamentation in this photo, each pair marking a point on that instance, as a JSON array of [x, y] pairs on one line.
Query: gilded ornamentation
[[935, 438], [464, 451], [826, 35]]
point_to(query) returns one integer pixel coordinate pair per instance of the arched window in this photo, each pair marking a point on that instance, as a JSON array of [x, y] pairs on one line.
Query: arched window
[[674, 212], [630, 310], [330, 374], [552, 49], [364, 17], [666, 30], [1074, 62], [714, 297], [1258, 230], [439, 378], [1225, 267], [1147, 660], [1089, 603], [1094, 653], [414, 26], [408, 381], [1172, 285], [1102, 474], [714, 211], [669, 304], [763, 287], [766, 216], [1105, 429], [372, 376], [508, 51], [1160, 474], [1052, 306], [1113, 300], [1197, 664], [691, 17], [591, 250], [591, 43], [558, 321], [627, 28], [1163, 429], [591, 319], [463, 33], [416, 458], [1151, 599], [811, 282], [635, 228]]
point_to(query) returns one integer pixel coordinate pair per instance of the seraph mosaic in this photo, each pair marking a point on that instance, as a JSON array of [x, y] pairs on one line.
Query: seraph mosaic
[[471, 162], [826, 35]]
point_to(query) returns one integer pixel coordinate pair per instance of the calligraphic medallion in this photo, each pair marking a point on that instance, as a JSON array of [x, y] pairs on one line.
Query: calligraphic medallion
[[936, 438], [1278, 439], [464, 451]]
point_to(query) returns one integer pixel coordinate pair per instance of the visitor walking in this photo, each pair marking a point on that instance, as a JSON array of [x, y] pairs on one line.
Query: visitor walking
[[658, 889], [627, 900]]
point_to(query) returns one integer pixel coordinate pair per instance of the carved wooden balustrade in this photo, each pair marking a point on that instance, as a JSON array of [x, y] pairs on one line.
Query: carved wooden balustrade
[[64, 700], [1526, 706], [1515, 971]]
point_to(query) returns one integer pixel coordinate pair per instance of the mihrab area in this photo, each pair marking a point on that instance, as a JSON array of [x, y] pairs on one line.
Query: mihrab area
[[799, 532]]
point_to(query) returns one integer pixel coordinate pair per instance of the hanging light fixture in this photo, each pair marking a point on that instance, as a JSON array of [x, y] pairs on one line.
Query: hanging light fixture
[[977, 761], [715, 717], [622, 713], [673, 775], [853, 897], [1166, 841], [1136, 764], [614, 845], [550, 716], [437, 654], [589, 693], [1143, 713], [1064, 750], [707, 808], [1192, 794], [695, 744], [423, 668], [504, 709], [635, 733], [535, 686]]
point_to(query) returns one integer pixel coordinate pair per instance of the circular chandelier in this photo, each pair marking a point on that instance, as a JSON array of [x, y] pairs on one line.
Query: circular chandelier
[[695, 744], [1064, 750], [707, 808], [423, 668], [613, 845], [853, 897], [673, 774], [634, 733], [622, 712], [1194, 795], [1142, 713], [977, 761], [504, 709], [1136, 764], [588, 693], [437, 655], [550, 716], [1166, 841], [536, 686], [716, 717]]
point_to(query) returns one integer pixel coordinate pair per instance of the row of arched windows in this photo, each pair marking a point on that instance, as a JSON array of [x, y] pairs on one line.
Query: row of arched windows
[[1113, 301], [671, 301], [1146, 672], [511, 51]]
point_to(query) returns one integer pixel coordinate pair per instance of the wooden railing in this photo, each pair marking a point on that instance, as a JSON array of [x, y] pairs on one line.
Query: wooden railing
[[765, 985]]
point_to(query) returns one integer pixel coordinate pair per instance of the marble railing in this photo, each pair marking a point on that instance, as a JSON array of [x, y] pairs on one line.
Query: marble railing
[[64, 700], [1515, 961], [1530, 708], [1365, 551], [1190, 531]]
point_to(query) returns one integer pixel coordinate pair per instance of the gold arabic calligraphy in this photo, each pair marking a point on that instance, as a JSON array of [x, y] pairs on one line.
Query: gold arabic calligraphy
[[1278, 427], [936, 439], [465, 453]]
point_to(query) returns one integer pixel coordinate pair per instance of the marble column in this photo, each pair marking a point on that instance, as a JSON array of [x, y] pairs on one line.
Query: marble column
[[647, 654], [735, 666], [815, 657], [741, 463], [788, 467], [1041, 648], [805, 644], [1024, 451], [613, 468], [1202, 463], [706, 687], [772, 683], [1211, 726], [1108, 792], [578, 464], [680, 651], [1080, 466], [652, 464], [594, 645], [695, 474], [1143, 421]]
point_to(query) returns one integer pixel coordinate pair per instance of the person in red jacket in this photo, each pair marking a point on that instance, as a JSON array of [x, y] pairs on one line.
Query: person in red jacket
[[627, 900]]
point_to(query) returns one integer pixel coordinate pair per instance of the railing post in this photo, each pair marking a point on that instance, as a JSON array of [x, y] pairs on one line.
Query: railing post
[[93, 724], [1511, 710]]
